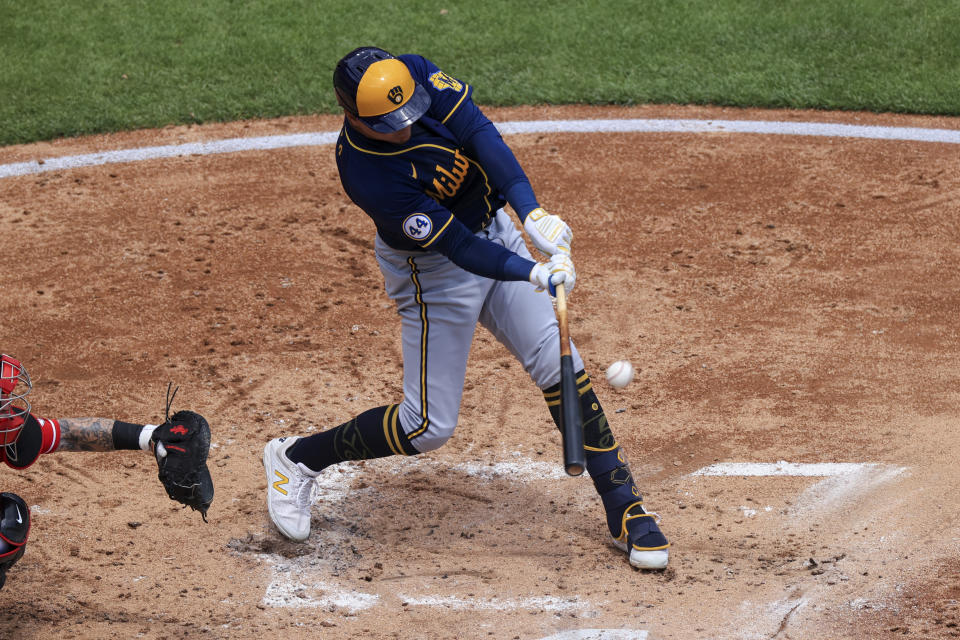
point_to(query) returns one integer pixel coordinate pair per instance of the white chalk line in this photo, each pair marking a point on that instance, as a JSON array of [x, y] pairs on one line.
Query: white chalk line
[[291, 587], [842, 481], [286, 592], [783, 468], [600, 634], [233, 145], [835, 491], [755, 616], [546, 603]]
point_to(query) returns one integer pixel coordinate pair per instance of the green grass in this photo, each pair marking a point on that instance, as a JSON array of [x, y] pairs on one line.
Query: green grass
[[74, 67]]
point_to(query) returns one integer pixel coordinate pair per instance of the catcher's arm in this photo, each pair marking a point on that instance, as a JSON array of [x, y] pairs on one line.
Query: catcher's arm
[[180, 445], [99, 434]]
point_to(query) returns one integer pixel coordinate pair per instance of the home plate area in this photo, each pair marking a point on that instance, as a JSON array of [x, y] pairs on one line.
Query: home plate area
[[344, 569]]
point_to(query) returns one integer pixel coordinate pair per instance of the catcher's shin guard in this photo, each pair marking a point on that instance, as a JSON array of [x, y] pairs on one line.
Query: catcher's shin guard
[[14, 530]]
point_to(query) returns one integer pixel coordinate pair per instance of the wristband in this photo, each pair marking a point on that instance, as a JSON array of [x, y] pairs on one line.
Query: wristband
[[145, 434], [125, 435]]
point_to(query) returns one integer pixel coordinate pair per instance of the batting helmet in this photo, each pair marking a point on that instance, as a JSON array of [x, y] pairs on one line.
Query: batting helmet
[[378, 88], [13, 404]]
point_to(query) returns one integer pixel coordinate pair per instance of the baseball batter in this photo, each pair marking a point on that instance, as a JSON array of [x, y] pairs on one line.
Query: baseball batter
[[180, 446], [418, 156]]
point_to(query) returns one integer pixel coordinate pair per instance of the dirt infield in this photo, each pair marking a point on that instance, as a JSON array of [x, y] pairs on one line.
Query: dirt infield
[[785, 299]]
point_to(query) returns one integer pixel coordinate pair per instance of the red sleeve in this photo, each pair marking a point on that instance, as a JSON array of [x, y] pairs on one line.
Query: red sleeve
[[38, 436], [51, 435]]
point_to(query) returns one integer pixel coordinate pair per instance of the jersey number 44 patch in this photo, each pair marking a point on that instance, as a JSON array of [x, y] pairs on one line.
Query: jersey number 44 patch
[[417, 226]]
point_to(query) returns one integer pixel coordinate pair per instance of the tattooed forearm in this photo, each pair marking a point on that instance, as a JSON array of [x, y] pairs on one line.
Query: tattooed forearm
[[86, 434]]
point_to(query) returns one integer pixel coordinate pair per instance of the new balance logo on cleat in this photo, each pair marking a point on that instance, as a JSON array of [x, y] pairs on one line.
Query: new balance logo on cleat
[[278, 485]]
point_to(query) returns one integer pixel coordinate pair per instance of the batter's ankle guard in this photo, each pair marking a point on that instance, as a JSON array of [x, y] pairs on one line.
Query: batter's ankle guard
[[640, 529], [627, 520], [615, 486]]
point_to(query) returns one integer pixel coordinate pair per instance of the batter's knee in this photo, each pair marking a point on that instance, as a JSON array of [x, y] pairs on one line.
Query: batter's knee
[[425, 434], [430, 440]]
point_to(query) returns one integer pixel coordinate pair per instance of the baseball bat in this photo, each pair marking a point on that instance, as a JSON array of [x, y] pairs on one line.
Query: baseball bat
[[571, 418]]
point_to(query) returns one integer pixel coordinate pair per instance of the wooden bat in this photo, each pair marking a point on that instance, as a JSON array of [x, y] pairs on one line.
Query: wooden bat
[[571, 418]]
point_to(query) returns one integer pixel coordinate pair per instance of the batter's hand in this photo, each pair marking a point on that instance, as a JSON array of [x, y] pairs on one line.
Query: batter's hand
[[547, 275], [548, 232], [562, 263]]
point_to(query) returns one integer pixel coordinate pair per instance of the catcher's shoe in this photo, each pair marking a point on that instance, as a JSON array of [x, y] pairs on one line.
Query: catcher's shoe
[[642, 539], [290, 488]]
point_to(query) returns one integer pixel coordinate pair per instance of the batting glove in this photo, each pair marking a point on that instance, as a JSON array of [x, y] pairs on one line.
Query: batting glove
[[562, 263], [548, 232], [547, 275]]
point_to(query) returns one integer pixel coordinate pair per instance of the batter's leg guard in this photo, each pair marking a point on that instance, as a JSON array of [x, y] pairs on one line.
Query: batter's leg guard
[[632, 528], [375, 433]]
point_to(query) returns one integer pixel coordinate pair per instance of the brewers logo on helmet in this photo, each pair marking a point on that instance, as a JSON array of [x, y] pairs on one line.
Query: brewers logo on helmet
[[378, 88]]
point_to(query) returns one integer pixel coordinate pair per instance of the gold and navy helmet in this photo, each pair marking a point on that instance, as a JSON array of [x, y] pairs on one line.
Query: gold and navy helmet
[[378, 88]]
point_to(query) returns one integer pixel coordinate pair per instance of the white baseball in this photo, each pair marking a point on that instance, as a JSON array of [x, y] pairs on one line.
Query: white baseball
[[619, 374]]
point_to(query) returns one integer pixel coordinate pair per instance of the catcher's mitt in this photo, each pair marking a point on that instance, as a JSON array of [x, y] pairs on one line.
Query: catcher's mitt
[[181, 445]]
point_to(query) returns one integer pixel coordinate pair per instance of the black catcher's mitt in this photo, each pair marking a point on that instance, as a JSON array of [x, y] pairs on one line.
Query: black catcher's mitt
[[181, 445]]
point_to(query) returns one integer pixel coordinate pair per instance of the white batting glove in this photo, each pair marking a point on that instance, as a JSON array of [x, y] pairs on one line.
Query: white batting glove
[[547, 275], [548, 232], [562, 263]]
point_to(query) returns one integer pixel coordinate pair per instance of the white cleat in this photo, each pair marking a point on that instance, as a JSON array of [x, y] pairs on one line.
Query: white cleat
[[645, 558], [290, 487]]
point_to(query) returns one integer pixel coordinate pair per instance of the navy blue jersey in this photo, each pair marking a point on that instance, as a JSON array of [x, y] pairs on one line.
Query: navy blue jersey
[[449, 179]]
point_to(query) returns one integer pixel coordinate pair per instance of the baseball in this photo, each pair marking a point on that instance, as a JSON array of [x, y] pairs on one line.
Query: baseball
[[619, 374]]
